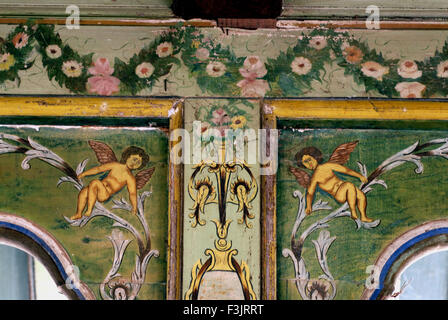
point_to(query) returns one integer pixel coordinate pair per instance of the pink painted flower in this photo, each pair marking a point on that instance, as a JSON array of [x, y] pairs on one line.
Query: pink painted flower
[[164, 49], [253, 88], [410, 89], [220, 117], [253, 68], [20, 40], [442, 69], [101, 67], [102, 82], [409, 69], [374, 70], [202, 54]]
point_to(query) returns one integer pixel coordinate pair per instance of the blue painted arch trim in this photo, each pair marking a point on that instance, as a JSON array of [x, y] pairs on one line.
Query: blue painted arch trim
[[44, 245], [399, 251]]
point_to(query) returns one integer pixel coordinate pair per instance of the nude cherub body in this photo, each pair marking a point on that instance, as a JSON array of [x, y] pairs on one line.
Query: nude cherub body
[[119, 176], [325, 178]]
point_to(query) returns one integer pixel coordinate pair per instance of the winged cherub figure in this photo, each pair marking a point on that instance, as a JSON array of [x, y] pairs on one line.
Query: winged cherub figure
[[325, 178], [119, 176]]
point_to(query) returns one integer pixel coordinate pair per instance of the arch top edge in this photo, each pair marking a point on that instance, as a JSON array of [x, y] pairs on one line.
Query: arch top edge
[[402, 244], [46, 242]]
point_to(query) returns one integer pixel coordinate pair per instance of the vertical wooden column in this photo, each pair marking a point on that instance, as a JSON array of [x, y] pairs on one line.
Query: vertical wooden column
[[174, 279], [268, 217]]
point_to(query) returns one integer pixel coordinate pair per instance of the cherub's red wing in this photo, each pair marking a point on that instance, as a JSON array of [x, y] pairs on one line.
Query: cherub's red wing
[[342, 153], [103, 152], [302, 177], [143, 177]]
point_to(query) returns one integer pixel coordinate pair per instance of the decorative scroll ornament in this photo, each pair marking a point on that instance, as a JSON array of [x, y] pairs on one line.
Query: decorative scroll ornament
[[221, 259], [234, 184], [229, 176]]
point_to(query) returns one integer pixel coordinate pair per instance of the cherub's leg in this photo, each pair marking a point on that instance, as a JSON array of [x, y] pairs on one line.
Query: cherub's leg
[[362, 205], [347, 193], [351, 200], [97, 192], [82, 201]]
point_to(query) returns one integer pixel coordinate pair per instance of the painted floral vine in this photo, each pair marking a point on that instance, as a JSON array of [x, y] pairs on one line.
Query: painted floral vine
[[216, 68]]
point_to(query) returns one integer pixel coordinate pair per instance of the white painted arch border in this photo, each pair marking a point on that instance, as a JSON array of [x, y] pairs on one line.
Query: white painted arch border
[[49, 244], [403, 243]]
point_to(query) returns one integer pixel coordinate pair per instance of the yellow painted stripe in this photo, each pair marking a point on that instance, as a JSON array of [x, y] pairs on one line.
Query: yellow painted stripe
[[80, 106], [359, 109]]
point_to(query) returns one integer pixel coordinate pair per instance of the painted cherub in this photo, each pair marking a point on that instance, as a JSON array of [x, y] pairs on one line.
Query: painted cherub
[[325, 178], [119, 175]]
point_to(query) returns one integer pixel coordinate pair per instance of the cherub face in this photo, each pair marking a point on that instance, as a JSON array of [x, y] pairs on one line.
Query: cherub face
[[134, 161], [309, 162]]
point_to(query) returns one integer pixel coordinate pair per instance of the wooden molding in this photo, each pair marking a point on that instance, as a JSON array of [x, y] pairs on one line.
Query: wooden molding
[[359, 109], [175, 217], [117, 22], [281, 24], [84, 106], [361, 24], [268, 221]]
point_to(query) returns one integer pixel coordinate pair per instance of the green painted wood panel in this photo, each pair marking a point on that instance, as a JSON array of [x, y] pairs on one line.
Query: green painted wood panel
[[410, 199], [243, 231], [35, 195]]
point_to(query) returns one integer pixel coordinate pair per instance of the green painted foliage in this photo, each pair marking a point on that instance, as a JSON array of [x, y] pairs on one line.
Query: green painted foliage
[[217, 70]]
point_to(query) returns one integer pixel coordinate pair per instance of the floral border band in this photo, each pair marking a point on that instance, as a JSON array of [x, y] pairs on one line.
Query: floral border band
[[216, 68]]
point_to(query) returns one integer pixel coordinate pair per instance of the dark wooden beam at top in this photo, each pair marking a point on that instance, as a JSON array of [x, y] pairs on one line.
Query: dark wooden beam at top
[[233, 9]]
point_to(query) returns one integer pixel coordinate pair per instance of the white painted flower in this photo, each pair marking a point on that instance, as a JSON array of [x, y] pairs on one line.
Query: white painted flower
[[144, 70], [409, 69], [301, 65], [164, 49], [202, 54], [253, 68], [53, 51], [318, 42], [442, 69], [72, 68], [374, 70], [215, 69], [410, 89]]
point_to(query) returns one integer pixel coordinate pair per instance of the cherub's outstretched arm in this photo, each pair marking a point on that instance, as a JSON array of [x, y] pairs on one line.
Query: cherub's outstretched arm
[[345, 170], [310, 196], [132, 189], [96, 170]]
